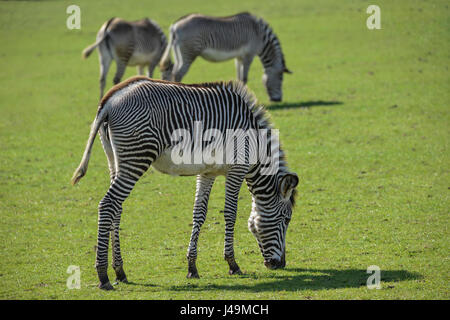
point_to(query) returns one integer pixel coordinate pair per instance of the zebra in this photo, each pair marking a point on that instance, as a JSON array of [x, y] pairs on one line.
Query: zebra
[[138, 43], [242, 36], [136, 121]]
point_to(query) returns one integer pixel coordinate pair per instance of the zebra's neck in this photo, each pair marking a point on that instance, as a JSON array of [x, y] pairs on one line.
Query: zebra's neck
[[271, 53], [264, 189], [263, 178]]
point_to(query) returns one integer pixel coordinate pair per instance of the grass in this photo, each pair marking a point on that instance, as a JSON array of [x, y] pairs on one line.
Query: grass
[[364, 122]]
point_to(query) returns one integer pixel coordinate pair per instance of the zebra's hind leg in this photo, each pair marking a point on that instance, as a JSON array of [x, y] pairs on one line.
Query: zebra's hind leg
[[183, 59], [117, 262], [121, 66], [110, 208], [105, 62], [179, 70], [203, 189], [107, 147], [151, 68], [233, 183], [132, 158], [140, 70], [106, 211]]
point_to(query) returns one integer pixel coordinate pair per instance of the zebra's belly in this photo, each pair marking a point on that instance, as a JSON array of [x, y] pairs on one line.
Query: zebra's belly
[[141, 58], [165, 164], [217, 55]]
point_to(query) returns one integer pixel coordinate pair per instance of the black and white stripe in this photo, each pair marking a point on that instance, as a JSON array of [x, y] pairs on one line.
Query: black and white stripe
[[136, 120], [240, 37], [271, 54], [138, 43]]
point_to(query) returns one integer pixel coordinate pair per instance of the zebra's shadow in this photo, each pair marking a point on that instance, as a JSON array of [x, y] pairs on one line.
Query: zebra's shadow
[[301, 104], [296, 279]]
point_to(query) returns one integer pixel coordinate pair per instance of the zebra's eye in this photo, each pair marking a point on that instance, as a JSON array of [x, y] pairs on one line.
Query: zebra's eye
[[287, 220]]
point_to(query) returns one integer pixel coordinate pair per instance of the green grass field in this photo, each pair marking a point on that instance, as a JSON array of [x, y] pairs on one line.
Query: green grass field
[[364, 122]]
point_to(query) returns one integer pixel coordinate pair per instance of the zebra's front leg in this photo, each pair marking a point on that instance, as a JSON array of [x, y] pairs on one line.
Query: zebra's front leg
[[233, 183], [247, 61], [203, 189], [117, 262], [242, 67]]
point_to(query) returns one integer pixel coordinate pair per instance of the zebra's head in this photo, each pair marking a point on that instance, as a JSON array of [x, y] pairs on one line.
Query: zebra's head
[[270, 219], [273, 79]]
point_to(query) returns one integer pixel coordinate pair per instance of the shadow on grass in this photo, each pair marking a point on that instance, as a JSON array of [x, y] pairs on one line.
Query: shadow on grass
[[141, 284], [305, 104], [304, 279]]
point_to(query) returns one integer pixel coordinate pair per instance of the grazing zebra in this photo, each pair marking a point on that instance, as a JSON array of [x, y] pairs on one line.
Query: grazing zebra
[[141, 122], [138, 43], [242, 36]]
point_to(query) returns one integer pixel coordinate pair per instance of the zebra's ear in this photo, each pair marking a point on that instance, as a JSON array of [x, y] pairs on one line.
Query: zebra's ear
[[286, 70], [288, 184]]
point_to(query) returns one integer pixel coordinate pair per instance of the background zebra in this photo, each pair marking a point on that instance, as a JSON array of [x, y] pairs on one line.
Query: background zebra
[[130, 43], [242, 36], [136, 120]]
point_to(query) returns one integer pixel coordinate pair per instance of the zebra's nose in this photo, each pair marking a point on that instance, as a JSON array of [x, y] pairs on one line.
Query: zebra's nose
[[283, 260], [276, 263], [277, 99]]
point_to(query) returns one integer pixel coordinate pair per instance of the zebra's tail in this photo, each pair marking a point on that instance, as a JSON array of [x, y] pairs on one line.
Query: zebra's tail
[[82, 168], [165, 62], [88, 50]]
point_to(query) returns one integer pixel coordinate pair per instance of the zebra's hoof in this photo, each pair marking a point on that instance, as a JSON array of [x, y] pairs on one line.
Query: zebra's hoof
[[192, 275], [120, 275], [106, 286], [233, 272]]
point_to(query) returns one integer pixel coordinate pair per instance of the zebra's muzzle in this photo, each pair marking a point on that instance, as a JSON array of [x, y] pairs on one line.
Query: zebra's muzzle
[[275, 263]]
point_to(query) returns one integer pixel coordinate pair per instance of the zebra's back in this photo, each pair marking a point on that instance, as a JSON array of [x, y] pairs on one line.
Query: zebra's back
[[208, 115]]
